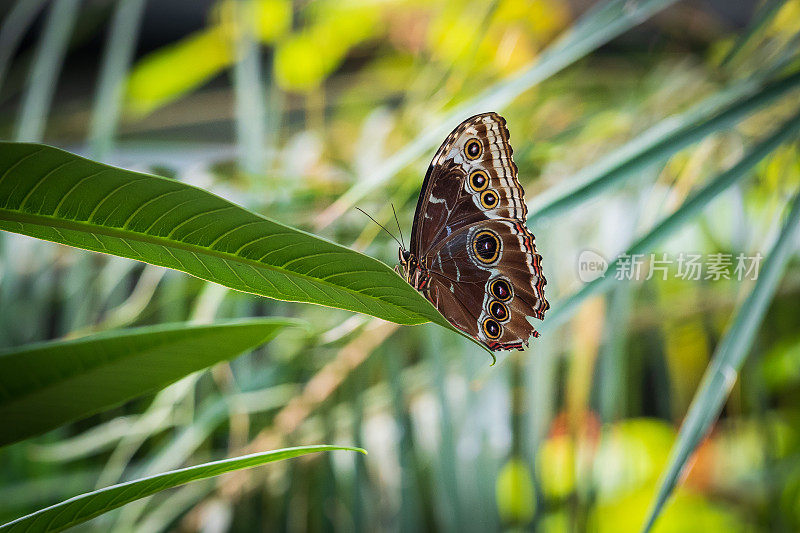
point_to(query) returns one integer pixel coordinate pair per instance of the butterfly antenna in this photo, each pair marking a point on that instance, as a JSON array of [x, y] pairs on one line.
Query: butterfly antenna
[[402, 240], [381, 225]]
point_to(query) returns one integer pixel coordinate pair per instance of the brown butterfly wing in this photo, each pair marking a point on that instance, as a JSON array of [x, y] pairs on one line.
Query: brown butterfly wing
[[450, 198], [472, 206], [473, 266]]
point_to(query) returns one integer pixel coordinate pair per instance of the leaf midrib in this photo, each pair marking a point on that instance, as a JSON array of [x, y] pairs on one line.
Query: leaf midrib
[[39, 386], [52, 221]]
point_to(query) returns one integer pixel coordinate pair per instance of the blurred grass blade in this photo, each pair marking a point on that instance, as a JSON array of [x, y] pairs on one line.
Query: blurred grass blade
[[57, 196], [597, 27], [46, 67], [119, 50], [765, 14], [250, 112], [101, 437], [727, 361], [785, 57], [87, 506], [564, 309], [612, 365], [43, 386], [15, 23], [602, 23], [91, 442], [661, 142], [173, 506]]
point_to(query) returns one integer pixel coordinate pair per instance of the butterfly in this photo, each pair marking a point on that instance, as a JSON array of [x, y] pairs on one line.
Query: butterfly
[[471, 254]]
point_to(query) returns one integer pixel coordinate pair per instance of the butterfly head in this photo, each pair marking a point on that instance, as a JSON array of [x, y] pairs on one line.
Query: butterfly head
[[407, 261], [413, 271]]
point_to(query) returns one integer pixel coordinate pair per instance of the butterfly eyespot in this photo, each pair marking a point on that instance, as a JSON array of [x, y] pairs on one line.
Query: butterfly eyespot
[[486, 245], [492, 329], [478, 180], [473, 149], [489, 199], [501, 290], [498, 310]]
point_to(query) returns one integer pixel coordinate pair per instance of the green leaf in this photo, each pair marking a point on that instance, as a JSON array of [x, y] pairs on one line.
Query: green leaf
[[87, 506], [57, 196], [43, 386], [727, 361]]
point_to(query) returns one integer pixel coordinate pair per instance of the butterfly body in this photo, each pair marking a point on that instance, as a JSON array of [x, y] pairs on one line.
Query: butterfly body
[[471, 254]]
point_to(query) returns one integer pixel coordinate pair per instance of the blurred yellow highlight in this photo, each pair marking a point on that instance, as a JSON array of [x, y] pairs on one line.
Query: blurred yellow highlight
[[516, 501], [174, 70], [306, 58]]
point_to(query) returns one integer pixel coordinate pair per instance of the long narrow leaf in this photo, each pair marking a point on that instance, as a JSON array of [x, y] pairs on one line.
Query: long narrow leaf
[[727, 361], [119, 49], [660, 142], [691, 208], [87, 506], [761, 19], [46, 67], [250, 113], [45, 385], [57, 196]]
